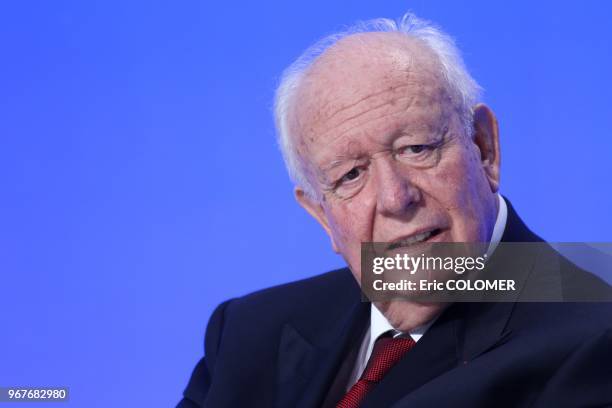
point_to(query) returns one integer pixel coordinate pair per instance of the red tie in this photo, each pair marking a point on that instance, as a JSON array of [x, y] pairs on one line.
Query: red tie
[[387, 351]]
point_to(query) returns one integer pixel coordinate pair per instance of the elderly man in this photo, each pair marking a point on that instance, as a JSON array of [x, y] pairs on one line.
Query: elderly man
[[383, 135]]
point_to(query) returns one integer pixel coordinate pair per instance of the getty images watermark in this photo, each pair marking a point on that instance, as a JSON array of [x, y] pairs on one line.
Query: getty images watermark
[[472, 272], [438, 265]]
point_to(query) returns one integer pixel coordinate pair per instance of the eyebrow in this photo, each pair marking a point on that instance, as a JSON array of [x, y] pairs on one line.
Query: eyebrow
[[325, 177], [335, 163], [340, 160], [343, 158]]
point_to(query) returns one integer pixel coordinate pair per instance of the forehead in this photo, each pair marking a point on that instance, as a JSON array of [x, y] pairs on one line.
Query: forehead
[[372, 81]]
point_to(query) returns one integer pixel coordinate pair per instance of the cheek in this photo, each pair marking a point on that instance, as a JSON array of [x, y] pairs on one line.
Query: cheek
[[350, 224], [447, 185], [457, 182], [460, 187]]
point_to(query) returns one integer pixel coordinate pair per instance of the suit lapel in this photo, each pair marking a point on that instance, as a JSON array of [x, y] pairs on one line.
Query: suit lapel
[[297, 358], [331, 355], [308, 361], [486, 325]]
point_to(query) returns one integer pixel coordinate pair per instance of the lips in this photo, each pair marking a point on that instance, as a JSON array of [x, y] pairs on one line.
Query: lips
[[414, 239]]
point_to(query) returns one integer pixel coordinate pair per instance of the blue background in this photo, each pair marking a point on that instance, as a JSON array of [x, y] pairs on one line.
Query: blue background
[[141, 184]]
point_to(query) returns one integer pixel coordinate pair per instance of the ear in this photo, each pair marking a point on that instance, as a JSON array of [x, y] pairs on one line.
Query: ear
[[486, 138], [314, 208]]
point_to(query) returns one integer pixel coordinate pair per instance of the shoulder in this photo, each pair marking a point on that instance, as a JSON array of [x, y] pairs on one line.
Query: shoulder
[[307, 303], [563, 323], [243, 335], [325, 284], [300, 299]]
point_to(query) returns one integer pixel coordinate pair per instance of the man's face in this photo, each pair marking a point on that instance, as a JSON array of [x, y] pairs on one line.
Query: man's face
[[386, 151]]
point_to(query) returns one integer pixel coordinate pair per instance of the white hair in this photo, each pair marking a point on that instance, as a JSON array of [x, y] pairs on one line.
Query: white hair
[[453, 70]]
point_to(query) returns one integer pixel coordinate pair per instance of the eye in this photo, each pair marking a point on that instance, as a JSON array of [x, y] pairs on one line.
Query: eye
[[351, 182], [351, 175], [419, 155], [416, 149]]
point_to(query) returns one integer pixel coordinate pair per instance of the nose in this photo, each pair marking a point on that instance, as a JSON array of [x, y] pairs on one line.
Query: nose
[[396, 194]]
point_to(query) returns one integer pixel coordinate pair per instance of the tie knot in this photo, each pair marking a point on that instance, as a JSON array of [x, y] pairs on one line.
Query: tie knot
[[387, 351]]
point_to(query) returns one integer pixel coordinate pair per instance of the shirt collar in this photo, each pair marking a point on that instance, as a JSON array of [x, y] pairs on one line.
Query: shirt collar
[[500, 225], [380, 325]]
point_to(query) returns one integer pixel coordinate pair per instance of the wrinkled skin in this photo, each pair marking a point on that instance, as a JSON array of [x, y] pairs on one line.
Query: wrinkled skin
[[381, 141]]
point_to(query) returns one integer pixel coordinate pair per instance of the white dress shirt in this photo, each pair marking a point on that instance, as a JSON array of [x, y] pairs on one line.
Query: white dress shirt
[[380, 325]]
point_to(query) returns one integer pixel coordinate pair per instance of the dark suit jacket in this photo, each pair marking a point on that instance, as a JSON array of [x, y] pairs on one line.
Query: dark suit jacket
[[294, 345]]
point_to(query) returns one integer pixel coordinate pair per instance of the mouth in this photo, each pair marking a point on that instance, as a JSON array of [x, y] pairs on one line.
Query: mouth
[[414, 239]]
